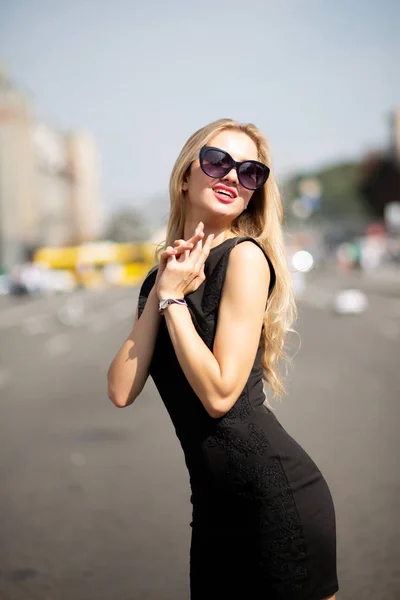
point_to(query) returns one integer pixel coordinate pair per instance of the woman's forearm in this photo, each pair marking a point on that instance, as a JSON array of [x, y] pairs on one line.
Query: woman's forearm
[[198, 363], [129, 369]]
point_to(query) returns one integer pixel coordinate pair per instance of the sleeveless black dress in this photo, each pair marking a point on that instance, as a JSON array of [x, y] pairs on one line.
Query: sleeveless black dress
[[263, 521]]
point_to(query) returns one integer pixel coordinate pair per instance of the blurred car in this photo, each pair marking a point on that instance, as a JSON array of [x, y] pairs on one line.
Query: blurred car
[[59, 281]]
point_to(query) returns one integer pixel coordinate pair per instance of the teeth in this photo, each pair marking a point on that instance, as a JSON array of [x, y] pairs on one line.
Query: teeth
[[224, 192]]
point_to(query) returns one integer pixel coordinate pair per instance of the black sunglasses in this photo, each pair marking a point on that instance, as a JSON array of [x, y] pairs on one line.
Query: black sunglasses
[[217, 163]]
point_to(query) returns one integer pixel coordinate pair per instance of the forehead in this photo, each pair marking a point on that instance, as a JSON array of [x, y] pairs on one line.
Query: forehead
[[239, 145]]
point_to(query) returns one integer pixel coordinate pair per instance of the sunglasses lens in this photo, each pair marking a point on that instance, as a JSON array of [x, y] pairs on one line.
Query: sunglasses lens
[[215, 163], [252, 175]]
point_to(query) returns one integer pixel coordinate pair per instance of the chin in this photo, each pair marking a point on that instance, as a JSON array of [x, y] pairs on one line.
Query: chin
[[227, 209], [213, 206], [223, 211], [221, 206]]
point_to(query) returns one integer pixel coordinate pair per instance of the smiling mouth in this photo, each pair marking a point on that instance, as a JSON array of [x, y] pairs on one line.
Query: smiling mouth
[[224, 193], [223, 197]]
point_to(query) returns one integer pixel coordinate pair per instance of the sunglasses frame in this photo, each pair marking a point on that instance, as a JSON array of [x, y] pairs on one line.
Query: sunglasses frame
[[235, 165]]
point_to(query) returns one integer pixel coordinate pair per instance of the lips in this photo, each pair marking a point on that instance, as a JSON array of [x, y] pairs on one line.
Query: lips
[[224, 193]]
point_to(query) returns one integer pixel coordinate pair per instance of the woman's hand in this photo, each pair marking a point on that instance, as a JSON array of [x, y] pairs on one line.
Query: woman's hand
[[183, 272], [181, 246]]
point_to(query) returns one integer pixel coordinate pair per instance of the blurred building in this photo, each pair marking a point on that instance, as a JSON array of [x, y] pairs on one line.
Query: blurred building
[[84, 168], [18, 209], [54, 187], [49, 182]]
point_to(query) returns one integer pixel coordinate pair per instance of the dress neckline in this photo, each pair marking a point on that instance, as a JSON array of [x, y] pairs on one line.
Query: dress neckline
[[224, 242]]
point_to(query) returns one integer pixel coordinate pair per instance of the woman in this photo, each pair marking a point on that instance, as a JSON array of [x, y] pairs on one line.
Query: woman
[[210, 326]]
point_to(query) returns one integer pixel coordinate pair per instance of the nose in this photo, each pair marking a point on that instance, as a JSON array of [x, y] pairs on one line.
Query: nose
[[231, 176]]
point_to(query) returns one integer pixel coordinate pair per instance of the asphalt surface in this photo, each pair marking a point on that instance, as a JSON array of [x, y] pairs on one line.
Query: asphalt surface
[[94, 500]]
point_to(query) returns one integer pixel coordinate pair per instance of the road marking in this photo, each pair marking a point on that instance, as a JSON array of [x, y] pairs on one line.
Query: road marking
[[58, 344]]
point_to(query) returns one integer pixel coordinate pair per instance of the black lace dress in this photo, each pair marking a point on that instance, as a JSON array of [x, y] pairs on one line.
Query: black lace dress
[[263, 522]]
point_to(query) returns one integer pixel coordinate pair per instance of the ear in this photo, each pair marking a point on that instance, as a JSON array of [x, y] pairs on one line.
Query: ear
[[185, 182]]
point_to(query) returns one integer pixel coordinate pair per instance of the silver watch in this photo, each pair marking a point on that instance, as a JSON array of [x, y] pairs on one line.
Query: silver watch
[[163, 304]]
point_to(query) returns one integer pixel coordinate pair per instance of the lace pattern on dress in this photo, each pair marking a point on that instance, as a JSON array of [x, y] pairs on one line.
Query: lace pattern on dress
[[254, 474], [241, 410]]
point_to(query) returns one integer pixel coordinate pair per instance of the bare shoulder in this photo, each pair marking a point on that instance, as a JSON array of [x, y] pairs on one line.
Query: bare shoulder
[[247, 276], [248, 258]]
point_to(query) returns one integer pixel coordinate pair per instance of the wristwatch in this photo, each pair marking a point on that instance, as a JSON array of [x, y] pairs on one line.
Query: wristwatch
[[163, 304]]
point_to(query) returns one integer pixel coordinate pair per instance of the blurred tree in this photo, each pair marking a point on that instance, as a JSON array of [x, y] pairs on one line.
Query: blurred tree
[[340, 195], [379, 182], [127, 225]]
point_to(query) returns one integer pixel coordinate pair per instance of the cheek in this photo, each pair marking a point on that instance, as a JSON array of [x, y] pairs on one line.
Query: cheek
[[198, 181], [246, 195]]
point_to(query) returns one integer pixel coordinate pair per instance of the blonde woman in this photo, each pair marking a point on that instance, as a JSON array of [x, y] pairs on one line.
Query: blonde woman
[[210, 329]]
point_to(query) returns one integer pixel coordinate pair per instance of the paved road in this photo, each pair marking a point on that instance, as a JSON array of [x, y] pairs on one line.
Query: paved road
[[94, 501]]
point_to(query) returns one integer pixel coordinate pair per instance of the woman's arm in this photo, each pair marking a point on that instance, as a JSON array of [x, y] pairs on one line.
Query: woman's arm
[[129, 369], [218, 377]]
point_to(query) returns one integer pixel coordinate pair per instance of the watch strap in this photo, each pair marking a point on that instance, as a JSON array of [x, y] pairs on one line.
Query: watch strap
[[163, 304]]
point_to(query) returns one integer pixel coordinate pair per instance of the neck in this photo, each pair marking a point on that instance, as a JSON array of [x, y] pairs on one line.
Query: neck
[[220, 234]]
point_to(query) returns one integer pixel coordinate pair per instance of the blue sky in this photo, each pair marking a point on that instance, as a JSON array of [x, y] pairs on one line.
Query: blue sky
[[319, 77]]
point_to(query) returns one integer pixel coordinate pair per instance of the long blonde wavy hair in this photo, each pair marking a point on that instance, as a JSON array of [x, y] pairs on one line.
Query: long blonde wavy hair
[[262, 220]]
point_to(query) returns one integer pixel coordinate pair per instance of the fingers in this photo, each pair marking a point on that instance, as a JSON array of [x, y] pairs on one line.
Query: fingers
[[198, 235], [165, 254], [207, 245], [183, 246], [203, 248], [182, 249], [193, 247], [191, 242], [201, 252]]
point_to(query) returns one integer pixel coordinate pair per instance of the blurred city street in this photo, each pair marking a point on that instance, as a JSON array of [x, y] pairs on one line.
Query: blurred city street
[[104, 118], [95, 500]]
